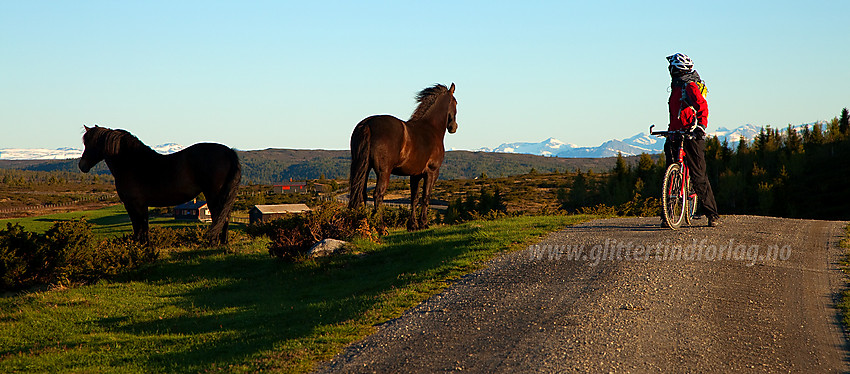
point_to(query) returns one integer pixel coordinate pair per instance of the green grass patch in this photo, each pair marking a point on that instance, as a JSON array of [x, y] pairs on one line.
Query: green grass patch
[[241, 311], [108, 221]]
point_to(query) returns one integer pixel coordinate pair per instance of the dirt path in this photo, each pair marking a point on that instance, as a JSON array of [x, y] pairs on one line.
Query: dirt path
[[570, 305]]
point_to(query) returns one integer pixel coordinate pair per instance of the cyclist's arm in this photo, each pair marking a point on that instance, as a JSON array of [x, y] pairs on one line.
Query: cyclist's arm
[[699, 103]]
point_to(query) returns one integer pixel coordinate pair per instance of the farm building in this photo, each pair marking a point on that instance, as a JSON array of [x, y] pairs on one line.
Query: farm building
[[265, 213], [193, 210], [322, 188], [291, 187]]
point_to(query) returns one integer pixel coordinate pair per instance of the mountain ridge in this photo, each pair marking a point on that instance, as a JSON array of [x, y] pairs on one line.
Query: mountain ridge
[[631, 146], [550, 147], [67, 153]]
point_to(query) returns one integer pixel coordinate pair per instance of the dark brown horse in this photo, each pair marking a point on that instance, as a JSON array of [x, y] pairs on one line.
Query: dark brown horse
[[415, 148], [145, 178]]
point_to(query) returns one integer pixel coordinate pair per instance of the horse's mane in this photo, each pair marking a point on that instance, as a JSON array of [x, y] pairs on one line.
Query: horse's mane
[[114, 141], [426, 98]]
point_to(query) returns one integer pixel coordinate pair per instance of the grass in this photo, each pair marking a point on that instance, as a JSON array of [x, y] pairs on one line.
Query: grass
[[241, 311], [108, 221]]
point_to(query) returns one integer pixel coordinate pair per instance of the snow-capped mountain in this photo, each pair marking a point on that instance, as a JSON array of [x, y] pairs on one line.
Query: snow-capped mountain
[[39, 154], [168, 148], [67, 152], [635, 145], [548, 147], [612, 147], [748, 132], [640, 143]]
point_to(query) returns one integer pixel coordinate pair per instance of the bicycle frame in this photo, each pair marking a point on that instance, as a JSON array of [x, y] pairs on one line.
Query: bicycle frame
[[682, 190]]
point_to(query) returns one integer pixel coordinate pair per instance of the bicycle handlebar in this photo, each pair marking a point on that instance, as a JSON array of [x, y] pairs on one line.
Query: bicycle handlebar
[[688, 133]]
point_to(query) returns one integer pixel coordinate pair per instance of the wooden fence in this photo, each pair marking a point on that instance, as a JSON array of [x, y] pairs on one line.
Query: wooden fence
[[48, 206]]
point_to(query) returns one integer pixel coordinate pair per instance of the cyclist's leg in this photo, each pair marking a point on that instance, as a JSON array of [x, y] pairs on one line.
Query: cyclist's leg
[[695, 157], [671, 151]]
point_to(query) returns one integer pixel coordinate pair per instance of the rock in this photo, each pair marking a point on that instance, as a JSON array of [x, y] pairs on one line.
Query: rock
[[326, 247]]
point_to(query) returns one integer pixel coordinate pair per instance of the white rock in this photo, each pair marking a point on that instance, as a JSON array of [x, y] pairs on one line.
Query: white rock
[[326, 247]]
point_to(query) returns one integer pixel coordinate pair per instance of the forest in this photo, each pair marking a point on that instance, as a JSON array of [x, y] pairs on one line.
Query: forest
[[784, 173]]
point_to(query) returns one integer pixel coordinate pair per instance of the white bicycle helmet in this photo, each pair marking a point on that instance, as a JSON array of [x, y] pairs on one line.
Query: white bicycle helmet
[[681, 62]]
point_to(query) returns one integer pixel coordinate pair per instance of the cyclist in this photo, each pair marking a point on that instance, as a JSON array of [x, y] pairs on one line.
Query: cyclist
[[689, 110]]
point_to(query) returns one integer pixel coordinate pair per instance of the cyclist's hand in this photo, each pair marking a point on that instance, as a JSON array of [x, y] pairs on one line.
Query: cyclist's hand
[[698, 131]]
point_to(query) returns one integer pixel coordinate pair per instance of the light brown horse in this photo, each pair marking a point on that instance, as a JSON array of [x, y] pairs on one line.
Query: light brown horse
[[415, 148]]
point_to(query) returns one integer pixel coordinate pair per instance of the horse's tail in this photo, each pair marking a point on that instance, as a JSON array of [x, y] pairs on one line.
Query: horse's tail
[[359, 165], [227, 197]]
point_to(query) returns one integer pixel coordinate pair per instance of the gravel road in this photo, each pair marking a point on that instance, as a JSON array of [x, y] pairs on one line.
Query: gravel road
[[623, 295]]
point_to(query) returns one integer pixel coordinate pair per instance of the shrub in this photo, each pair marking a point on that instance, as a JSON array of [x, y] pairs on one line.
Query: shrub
[[599, 210], [162, 237], [292, 237], [67, 252], [641, 207], [391, 216], [486, 204], [16, 249]]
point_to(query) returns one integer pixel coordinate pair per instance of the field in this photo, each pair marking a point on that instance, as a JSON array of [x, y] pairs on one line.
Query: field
[[238, 310], [108, 221]]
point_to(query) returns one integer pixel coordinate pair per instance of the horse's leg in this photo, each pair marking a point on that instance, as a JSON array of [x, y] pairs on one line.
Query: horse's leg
[[365, 185], [427, 187], [139, 219], [381, 188], [220, 221], [222, 237], [412, 224], [214, 232]]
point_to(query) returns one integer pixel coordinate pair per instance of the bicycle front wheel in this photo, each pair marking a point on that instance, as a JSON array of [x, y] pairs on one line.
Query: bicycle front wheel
[[673, 197], [693, 203]]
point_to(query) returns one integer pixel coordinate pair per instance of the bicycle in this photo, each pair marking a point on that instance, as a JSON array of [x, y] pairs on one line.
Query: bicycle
[[678, 198]]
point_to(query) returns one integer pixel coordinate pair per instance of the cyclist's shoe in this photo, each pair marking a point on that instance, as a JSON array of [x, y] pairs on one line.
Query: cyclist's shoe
[[696, 216], [714, 221]]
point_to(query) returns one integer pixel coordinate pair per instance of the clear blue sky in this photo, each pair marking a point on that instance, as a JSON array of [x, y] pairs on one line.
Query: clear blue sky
[[301, 74]]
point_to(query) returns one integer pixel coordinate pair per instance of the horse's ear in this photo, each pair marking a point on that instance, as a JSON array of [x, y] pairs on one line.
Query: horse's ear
[[86, 127], [452, 89]]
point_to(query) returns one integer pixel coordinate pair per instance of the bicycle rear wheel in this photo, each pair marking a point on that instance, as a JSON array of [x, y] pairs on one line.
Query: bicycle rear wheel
[[672, 199]]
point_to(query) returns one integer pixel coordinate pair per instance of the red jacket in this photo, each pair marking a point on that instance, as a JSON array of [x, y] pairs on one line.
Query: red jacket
[[689, 115]]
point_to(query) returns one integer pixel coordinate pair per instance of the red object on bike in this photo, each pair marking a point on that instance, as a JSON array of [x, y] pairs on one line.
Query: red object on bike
[[684, 116]]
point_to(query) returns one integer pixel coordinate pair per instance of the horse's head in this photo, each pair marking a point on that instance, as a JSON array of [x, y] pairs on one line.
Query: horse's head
[[452, 122], [94, 148]]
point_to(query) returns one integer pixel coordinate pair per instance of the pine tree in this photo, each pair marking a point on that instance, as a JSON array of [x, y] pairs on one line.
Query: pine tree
[[793, 141]]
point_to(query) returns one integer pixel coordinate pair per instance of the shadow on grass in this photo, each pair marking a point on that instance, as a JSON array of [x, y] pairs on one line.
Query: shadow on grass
[[255, 306]]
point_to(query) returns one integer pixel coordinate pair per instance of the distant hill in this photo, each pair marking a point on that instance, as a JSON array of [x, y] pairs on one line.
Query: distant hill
[[271, 166]]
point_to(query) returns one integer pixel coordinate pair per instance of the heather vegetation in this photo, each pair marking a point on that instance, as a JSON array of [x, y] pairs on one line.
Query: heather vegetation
[[24, 188]]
